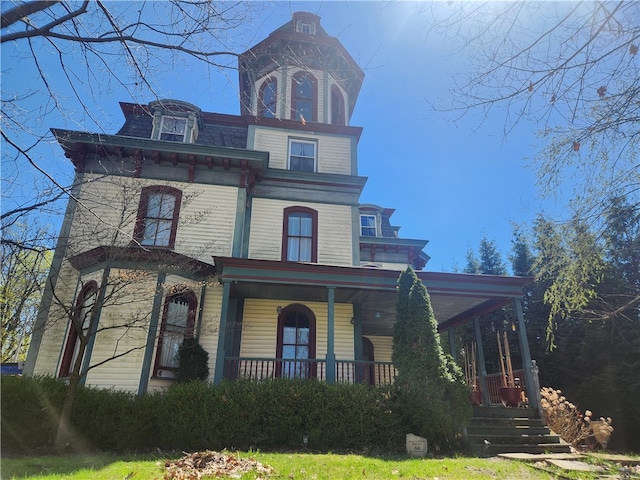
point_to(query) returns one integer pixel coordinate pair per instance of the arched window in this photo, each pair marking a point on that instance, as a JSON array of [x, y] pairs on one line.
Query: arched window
[[300, 235], [337, 106], [268, 98], [304, 93], [296, 342], [178, 321], [157, 220], [80, 321]]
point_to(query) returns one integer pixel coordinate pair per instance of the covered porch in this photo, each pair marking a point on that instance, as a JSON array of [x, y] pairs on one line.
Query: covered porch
[[370, 295]]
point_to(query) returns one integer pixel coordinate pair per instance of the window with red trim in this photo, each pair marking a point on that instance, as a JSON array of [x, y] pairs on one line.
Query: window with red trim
[[268, 98], [300, 235], [80, 321], [157, 220], [304, 93], [296, 343], [178, 321], [337, 106]]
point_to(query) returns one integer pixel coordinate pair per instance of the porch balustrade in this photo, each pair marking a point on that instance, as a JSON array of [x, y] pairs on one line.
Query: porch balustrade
[[494, 382], [347, 371]]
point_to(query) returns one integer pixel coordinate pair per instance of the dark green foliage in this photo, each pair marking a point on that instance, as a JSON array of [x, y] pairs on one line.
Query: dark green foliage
[[193, 361], [268, 415], [29, 412], [432, 396]]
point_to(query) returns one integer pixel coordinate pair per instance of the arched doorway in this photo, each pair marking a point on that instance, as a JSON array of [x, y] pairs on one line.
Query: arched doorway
[[296, 344]]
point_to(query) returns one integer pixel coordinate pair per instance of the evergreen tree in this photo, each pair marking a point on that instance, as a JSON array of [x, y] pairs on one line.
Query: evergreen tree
[[473, 264], [432, 394], [490, 259]]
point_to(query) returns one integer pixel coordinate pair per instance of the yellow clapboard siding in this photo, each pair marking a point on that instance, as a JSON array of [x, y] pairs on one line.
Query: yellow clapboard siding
[[260, 321], [334, 231], [333, 152], [110, 205], [382, 347], [57, 325], [122, 328]]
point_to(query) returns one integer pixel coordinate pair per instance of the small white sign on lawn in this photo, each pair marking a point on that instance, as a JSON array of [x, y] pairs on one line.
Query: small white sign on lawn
[[416, 446]]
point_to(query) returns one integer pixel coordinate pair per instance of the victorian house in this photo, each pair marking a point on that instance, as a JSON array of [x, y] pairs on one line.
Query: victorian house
[[244, 231]]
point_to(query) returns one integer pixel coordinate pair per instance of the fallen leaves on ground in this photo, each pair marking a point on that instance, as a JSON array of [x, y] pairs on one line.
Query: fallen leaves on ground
[[197, 465]]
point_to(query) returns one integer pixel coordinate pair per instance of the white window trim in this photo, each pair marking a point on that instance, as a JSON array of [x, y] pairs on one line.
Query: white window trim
[[315, 152], [375, 224]]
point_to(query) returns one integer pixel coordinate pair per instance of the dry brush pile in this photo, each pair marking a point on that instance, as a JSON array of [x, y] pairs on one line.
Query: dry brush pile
[[576, 428], [212, 464]]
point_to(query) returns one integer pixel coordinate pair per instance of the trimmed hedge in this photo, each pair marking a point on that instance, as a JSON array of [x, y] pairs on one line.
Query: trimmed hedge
[[270, 415]]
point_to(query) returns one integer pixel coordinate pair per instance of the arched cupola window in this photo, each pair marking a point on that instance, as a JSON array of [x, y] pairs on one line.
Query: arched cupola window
[[337, 106], [268, 98], [296, 343], [304, 101]]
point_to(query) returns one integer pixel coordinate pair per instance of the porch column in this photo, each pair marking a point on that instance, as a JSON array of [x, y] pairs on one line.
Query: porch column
[[151, 334], [486, 399], [93, 328], [357, 341], [532, 391], [331, 356], [222, 333], [452, 344]]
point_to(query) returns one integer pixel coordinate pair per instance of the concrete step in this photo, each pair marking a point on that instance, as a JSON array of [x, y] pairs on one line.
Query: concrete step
[[495, 430], [498, 429], [489, 450], [514, 439], [506, 422], [500, 411]]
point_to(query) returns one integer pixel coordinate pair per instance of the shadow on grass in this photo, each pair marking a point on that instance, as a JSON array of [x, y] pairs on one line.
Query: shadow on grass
[[29, 466]]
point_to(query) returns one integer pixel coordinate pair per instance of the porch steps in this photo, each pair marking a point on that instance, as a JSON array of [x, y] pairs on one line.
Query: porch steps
[[497, 429]]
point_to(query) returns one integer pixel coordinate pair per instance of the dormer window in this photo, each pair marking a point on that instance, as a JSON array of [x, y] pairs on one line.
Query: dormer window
[[175, 121], [173, 129], [368, 226]]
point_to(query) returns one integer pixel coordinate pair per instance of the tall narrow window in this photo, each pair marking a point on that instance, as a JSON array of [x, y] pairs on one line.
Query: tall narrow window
[[302, 156], [304, 92], [80, 322], [296, 343], [157, 220], [268, 98], [368, 226], [178, 322], [337, 106], [300, 235]]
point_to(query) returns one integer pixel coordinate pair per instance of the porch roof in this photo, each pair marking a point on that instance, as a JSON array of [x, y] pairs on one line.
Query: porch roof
[[455, 297]]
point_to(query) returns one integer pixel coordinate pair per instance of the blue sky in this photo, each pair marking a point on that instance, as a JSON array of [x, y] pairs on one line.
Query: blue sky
[[450, 183]]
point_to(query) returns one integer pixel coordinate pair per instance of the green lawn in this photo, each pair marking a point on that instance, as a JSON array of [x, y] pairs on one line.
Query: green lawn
[[286, 466]]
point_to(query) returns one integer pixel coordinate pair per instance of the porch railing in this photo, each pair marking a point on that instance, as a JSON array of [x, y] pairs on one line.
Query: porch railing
[[347, 371], [494, 382]]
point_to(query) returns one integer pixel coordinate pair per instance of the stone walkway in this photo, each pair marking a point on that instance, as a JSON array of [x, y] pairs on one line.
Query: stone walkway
[[629, 467]]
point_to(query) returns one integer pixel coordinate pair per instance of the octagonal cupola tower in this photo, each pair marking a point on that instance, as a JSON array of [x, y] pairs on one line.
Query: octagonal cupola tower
[[299, 73]]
